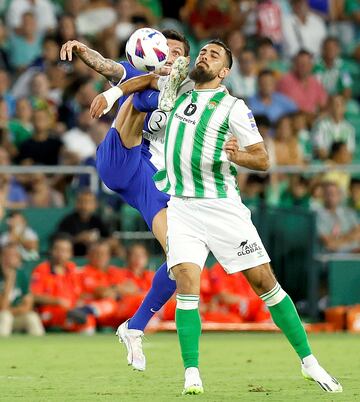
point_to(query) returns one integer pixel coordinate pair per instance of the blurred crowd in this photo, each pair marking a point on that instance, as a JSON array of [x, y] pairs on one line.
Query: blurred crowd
[[296, 64], [60, 295]]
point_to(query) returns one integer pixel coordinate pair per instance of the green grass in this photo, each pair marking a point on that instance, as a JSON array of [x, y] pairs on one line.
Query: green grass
[[234, 366]]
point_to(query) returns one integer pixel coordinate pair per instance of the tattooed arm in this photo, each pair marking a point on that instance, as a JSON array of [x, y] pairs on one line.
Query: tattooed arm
[[108, 68]]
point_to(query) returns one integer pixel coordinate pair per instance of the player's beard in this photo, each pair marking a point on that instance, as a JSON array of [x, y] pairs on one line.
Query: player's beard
[[200, 76]]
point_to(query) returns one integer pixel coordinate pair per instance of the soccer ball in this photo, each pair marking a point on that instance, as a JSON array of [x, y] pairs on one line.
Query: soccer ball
[[147, 49]]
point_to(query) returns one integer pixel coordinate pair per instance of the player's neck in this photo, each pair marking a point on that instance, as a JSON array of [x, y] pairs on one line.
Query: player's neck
[[214, 84]]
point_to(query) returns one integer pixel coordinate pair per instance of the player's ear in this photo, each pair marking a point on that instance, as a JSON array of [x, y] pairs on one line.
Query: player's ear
[[224, 72]]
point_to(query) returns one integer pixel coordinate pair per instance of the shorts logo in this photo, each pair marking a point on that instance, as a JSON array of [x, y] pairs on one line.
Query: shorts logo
[[246, 248], [190, 109]]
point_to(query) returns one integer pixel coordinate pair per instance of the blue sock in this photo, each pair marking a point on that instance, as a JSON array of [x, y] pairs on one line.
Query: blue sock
[[162, 289], [146, 101]]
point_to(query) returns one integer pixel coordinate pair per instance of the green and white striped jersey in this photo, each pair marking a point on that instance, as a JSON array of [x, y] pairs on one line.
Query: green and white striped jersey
[[196, 164]]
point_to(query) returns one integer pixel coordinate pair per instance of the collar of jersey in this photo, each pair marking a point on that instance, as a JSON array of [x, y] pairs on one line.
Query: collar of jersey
[[219, 88]]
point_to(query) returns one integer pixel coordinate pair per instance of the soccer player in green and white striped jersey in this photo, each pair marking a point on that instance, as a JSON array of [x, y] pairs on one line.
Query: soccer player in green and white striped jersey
[[208, 132]]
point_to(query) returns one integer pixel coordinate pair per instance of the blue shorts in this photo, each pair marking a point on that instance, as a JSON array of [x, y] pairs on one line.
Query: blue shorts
[[129, 173]]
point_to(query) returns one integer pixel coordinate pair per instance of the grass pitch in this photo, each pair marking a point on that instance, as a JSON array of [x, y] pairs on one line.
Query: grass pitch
[[234, 366]]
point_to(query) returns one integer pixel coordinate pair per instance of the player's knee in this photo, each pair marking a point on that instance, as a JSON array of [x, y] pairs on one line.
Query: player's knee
[[261, 278], [187, 280]]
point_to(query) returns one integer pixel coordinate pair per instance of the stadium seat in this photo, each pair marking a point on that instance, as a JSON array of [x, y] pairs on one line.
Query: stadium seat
[[45, 222], [344, 280]]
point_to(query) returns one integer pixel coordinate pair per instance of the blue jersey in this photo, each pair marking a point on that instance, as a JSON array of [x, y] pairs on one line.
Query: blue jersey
[[155, 120]]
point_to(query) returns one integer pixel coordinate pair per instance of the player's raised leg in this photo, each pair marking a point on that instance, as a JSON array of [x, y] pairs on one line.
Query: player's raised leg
[[285, 316]]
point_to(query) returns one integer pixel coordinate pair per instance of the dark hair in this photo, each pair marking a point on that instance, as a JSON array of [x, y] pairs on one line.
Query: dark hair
[[225, 47], [330, 39], [265, 42], [262, 120], [335, 147], [265, 72], [61, 236], [175, 35], [303, 52]]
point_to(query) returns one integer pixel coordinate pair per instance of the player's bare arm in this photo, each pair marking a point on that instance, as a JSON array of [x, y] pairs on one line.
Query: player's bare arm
[[254, 157], [103, 102], [108, 68]]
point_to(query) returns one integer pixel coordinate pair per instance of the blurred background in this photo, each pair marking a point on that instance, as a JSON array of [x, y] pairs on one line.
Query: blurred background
[[75, 257]]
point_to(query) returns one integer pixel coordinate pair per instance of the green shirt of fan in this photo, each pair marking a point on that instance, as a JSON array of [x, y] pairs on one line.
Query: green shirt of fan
[[21, 287], [20, 132], [334, 79]]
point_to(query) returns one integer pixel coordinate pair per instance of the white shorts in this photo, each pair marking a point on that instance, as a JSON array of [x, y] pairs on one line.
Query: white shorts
[[222, 226]]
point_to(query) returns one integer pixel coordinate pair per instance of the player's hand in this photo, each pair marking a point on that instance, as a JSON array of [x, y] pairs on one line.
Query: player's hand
[[70, 47], [232, 149], [98, 106], [64, 303]]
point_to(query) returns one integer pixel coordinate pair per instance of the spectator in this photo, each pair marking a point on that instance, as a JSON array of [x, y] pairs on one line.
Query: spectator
[[43, 11], [84, 224], [209, 20], [242, 78], [233, 298], [19, 233], [5, 93], [253, 190], [339, 155], [41, 148], [296, 194], [66, 29], [42, 195], [303, 87], [56, 285], [287, 148], [268, 58], [302, 29], [337, 226], [135, 281], [331, 69], [264, 126], [78, 140], [25, 46], [5, 134], [16, 302], [21, 125], [333, 128], [269, 21], [94, 17], [354, 201], [267, 101], [302, 132], [4, 47], [12, 194]]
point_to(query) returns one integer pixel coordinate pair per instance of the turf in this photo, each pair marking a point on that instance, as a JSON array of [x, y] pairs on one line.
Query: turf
[[235, 367]]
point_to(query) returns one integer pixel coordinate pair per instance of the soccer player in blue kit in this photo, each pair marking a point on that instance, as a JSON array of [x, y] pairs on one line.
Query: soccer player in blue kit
[[126, 163]]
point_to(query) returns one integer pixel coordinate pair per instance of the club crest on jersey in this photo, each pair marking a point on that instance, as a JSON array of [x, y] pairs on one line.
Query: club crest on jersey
[[252, 120], [190, 109], [212, 105]]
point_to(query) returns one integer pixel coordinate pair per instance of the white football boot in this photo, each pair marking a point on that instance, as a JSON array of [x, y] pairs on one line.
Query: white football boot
[[193, 384], [132, 339], [312, 371], [168, 93]]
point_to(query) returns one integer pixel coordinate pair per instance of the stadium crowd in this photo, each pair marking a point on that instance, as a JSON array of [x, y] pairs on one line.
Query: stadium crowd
[[296, 64]]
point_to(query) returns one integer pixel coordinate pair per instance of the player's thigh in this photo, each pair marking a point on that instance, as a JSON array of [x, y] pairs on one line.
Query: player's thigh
[[115, 163], [142, 194], [159, 227], [233, 239], [186, 235]]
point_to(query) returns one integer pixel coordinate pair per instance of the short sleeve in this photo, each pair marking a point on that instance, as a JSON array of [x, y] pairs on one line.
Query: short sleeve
[[129, 72], [242, 124]]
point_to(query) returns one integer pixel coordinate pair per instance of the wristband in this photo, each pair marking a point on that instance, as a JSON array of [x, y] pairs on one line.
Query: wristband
[[111, 96]]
